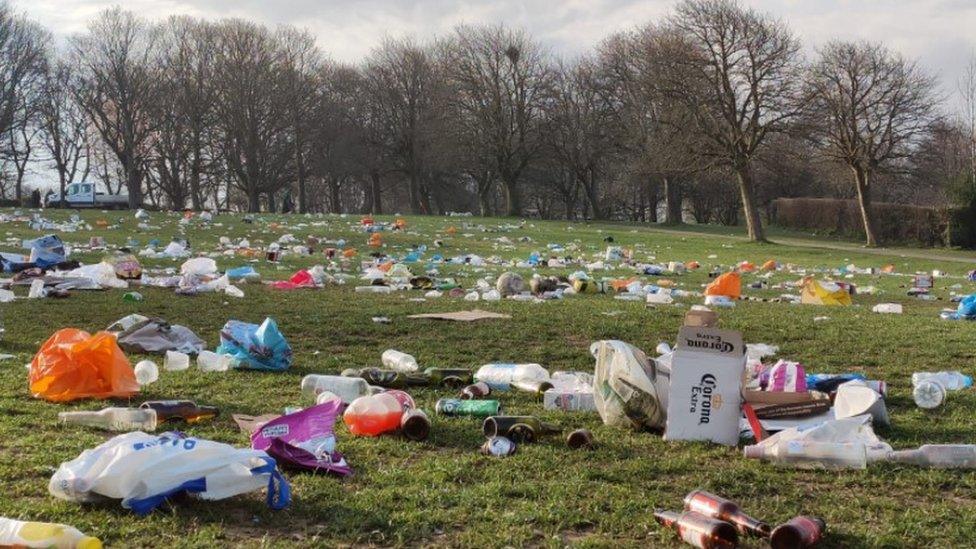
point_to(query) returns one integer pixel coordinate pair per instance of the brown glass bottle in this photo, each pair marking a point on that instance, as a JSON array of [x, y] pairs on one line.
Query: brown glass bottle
[[180, 410], [799, 532], [698, 530], [533, 386], [720, 508]]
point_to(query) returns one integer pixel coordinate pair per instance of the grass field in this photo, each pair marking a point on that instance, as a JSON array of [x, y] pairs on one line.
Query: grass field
[[443, 492]]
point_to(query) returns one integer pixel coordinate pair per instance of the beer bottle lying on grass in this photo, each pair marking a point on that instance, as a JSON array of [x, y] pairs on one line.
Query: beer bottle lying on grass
[[720, 508], [518, 428], [180, 410], [698, 530]]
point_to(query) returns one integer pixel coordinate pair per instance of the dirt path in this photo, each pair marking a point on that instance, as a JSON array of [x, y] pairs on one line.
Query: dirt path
[[915, 253]]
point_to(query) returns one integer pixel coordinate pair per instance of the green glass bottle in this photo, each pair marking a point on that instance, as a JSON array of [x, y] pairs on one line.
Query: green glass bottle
[[518, 428], [472, 408], [389, 379]]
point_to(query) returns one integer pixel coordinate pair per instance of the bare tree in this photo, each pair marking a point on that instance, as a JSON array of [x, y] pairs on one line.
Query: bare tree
[[501, 81], [183, 114], [736, 73], [254, 111], [118, 88], [871, 105], [23, 58], [303, 63], [63, 124], [578, 127], [401, 80]]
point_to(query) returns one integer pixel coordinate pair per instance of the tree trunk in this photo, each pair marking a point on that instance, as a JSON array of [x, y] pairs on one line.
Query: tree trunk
[[753, 222], [253, 201], [133, 185], [592, 197], [672, 201], [272, 203], [863, 184], [64, 187], [512, 198], [413, 188], [195, 168], [651, 201], [377, 193], [336, 200]]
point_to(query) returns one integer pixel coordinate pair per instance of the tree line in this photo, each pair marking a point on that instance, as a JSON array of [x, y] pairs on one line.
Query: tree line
[[711, 112]]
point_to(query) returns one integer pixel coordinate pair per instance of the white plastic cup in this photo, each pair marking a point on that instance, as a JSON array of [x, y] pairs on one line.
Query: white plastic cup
[[176, 361], [146, 372]]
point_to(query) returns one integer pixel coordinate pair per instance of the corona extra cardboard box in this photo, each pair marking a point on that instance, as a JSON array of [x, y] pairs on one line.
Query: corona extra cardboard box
[[706, 386]]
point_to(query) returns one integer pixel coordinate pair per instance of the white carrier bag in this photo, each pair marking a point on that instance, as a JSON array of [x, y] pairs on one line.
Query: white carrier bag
[[143, 470]]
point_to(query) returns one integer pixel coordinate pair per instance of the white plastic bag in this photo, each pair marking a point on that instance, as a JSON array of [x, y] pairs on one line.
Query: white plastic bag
[[630, 390], [199, 266], [143, 470]]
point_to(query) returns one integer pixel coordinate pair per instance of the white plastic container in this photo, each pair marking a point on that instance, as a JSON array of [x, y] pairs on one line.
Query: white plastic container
[[209, 361], [888, 308], [401, 362], [346, 388], [176, 361], [569, 401]]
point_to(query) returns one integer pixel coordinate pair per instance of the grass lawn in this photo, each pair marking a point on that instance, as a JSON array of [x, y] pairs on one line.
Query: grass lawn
[[443, 492]]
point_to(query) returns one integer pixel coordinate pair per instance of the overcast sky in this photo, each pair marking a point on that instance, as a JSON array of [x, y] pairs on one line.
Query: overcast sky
[[937, 32]]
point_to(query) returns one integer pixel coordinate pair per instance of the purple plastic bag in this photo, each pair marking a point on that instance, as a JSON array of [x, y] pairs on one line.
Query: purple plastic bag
[[304, 439], [787, 377]]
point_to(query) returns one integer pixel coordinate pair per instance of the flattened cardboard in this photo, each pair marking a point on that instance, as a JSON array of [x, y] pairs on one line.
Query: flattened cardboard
[[462, 316]]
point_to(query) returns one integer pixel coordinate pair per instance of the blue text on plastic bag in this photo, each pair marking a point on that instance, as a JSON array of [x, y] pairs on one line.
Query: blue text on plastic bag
[[256, 347]]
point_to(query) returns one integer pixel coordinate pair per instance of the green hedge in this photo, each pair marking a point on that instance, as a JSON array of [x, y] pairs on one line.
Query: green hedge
[[927, 226]]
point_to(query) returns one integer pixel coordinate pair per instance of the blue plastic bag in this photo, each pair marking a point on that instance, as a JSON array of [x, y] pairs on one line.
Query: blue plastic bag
[[255, 347], [967, 307], [46, 251]]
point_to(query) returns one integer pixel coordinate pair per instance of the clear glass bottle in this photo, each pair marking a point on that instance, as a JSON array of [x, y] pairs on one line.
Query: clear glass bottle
[[113, 419], [939, 456], [810, 454]]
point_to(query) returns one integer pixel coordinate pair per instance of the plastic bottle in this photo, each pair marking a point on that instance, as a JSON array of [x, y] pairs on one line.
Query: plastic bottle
[[810, 454], [952, 381], [374, 289], [698, 530], [175, 361], [114, 419], [939, 456], [17, 533], [799, 533], [928, 394], [401, 362], [717, 507], [501, 375], [373, 415], [146, 372], [346, 388]]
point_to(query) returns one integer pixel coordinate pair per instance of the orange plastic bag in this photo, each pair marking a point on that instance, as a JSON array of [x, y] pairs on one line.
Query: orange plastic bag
[[729, 285], [375, 240], [74, 364], [769, 265]]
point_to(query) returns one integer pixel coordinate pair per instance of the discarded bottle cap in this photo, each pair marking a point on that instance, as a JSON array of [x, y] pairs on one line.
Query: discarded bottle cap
[[580, 438], [498, 446]]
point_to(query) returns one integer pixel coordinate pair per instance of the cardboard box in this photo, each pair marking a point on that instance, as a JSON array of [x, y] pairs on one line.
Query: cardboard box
[[701, 319], [705, 396]]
